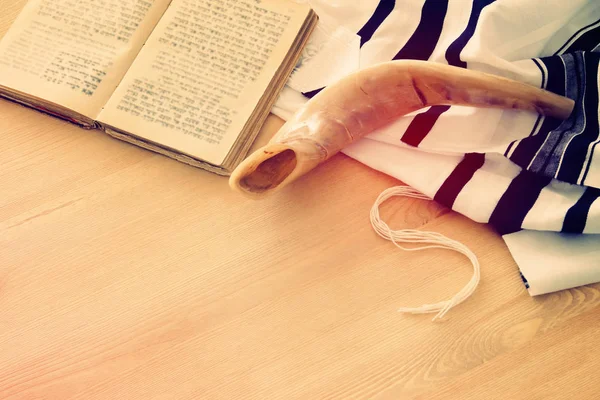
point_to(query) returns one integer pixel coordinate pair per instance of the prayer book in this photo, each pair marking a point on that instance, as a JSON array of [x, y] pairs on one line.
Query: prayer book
[[191, 79]]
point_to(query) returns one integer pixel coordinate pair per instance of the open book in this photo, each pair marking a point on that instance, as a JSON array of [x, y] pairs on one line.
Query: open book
[[191, 79]]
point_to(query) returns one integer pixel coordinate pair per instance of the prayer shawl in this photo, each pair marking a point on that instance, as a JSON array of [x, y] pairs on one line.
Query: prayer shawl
[[535, 179]]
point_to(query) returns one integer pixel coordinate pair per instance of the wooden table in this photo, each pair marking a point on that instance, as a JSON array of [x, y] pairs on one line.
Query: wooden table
[[126, 275]]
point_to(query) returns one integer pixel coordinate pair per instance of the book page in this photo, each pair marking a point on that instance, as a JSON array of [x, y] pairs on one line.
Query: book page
[[75, 52], [202, 72]]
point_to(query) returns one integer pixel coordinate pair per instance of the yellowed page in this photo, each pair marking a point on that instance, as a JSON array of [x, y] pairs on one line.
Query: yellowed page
[[202, 72], [75, 52]]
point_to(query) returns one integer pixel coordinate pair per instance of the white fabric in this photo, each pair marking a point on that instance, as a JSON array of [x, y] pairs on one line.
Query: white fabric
[[336, 54], [552, 261], [509, 35]]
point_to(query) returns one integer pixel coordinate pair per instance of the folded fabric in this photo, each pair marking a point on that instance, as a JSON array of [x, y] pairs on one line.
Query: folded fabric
[[551, 261], [514, 170]]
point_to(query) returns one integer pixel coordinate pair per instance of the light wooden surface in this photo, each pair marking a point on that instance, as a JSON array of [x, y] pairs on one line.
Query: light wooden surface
[[126, 275]]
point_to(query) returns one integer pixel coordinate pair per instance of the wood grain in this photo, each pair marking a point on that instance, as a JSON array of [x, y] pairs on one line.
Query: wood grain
[[126, 275]]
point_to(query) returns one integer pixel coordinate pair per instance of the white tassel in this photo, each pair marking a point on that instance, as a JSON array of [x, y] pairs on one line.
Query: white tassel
[[431, 240]]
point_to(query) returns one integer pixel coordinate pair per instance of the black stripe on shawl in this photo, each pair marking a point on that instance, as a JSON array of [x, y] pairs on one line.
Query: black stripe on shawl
[[539, 117], [524, 280], [421, 44], [586, 42], [567, 128], [454, 50], [574, 155], [383, 10], [587, 168], [576, 216], [556, 74], [555, 82], [544, 78], [312, 93], [462, 174], [517, 200], [422, 124], [511, 144], [583, 44]]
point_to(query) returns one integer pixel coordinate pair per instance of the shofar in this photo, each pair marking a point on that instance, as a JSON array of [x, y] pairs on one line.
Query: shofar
[[369, 99]]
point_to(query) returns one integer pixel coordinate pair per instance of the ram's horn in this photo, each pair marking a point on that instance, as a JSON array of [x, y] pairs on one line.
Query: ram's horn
[[369, 99]]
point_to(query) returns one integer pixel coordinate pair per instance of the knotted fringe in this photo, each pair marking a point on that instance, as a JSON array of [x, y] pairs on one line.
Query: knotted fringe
[[432, 240]]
